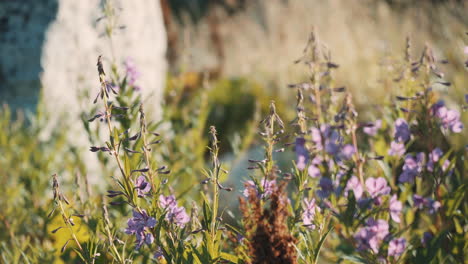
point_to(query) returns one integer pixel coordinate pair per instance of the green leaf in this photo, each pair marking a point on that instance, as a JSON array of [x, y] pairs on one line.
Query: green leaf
[[229, 257], [320, 244], [127, 166], [353, 259], [454, 203], [409, 217], [350, 210]]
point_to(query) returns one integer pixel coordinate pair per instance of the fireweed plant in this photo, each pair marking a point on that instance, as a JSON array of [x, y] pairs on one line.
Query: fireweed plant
[[389, 190]]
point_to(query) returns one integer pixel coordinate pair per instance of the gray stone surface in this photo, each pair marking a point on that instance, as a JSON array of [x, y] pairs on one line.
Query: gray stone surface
[[23, 25], [51, 47]]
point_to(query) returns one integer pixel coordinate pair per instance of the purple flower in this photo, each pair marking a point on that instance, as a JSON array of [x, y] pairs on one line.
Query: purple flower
[[379, 229], [466, 98], [457, 127], [407, 176], [158, 254], [413, 167], [354, 185], [331, 147], [178, 216], [446, 165], [139, 226], [314, 171], [175, 214], [395, 208], [309, 213], [362, 237], [426, 238], [435, 107], [450, 119], [332, 144], [372, 130], [396, 149], [371, 236], [433, 206], [240, 238], [377, 186], [402, 132], [267, 186], [249, 187], [330, 140], [415, 163], [142, 186], [419, 201], [434, 157], [167, 201], [396, 247], [316, 138], [347, 151], [301, 153], [326, 187], [328, 136], [132, 73]]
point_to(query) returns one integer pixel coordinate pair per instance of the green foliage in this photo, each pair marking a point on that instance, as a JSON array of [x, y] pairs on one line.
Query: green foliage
[[25, 166], [164, 178]]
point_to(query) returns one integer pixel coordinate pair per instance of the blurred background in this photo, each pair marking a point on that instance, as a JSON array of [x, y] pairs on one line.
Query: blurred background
[[233, 56], [199, 63]]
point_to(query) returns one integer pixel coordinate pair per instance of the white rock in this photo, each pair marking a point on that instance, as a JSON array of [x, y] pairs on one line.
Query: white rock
[[53, 45], [74, 41]]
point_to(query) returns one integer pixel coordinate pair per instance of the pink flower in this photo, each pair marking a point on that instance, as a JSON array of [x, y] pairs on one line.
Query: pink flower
[[377, 186], [371, 236], [395, 208], [434, 157], [175, 214], [450, 119], [313, 171], [142, 186], [354, 185], [316, 138], [178, 216], [396, 149], [372, 130], [132, 73], [267, 186], [347, 151], [309, 213], [396, 247], [434, 206], [167, 201], [379, 229], [421, 202]]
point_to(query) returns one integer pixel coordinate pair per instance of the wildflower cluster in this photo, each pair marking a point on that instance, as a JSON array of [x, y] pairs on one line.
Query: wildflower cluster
[[386, 190], [370, 209]]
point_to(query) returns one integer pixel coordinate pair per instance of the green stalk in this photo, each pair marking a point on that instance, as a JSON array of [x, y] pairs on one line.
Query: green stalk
[[215, 175]]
